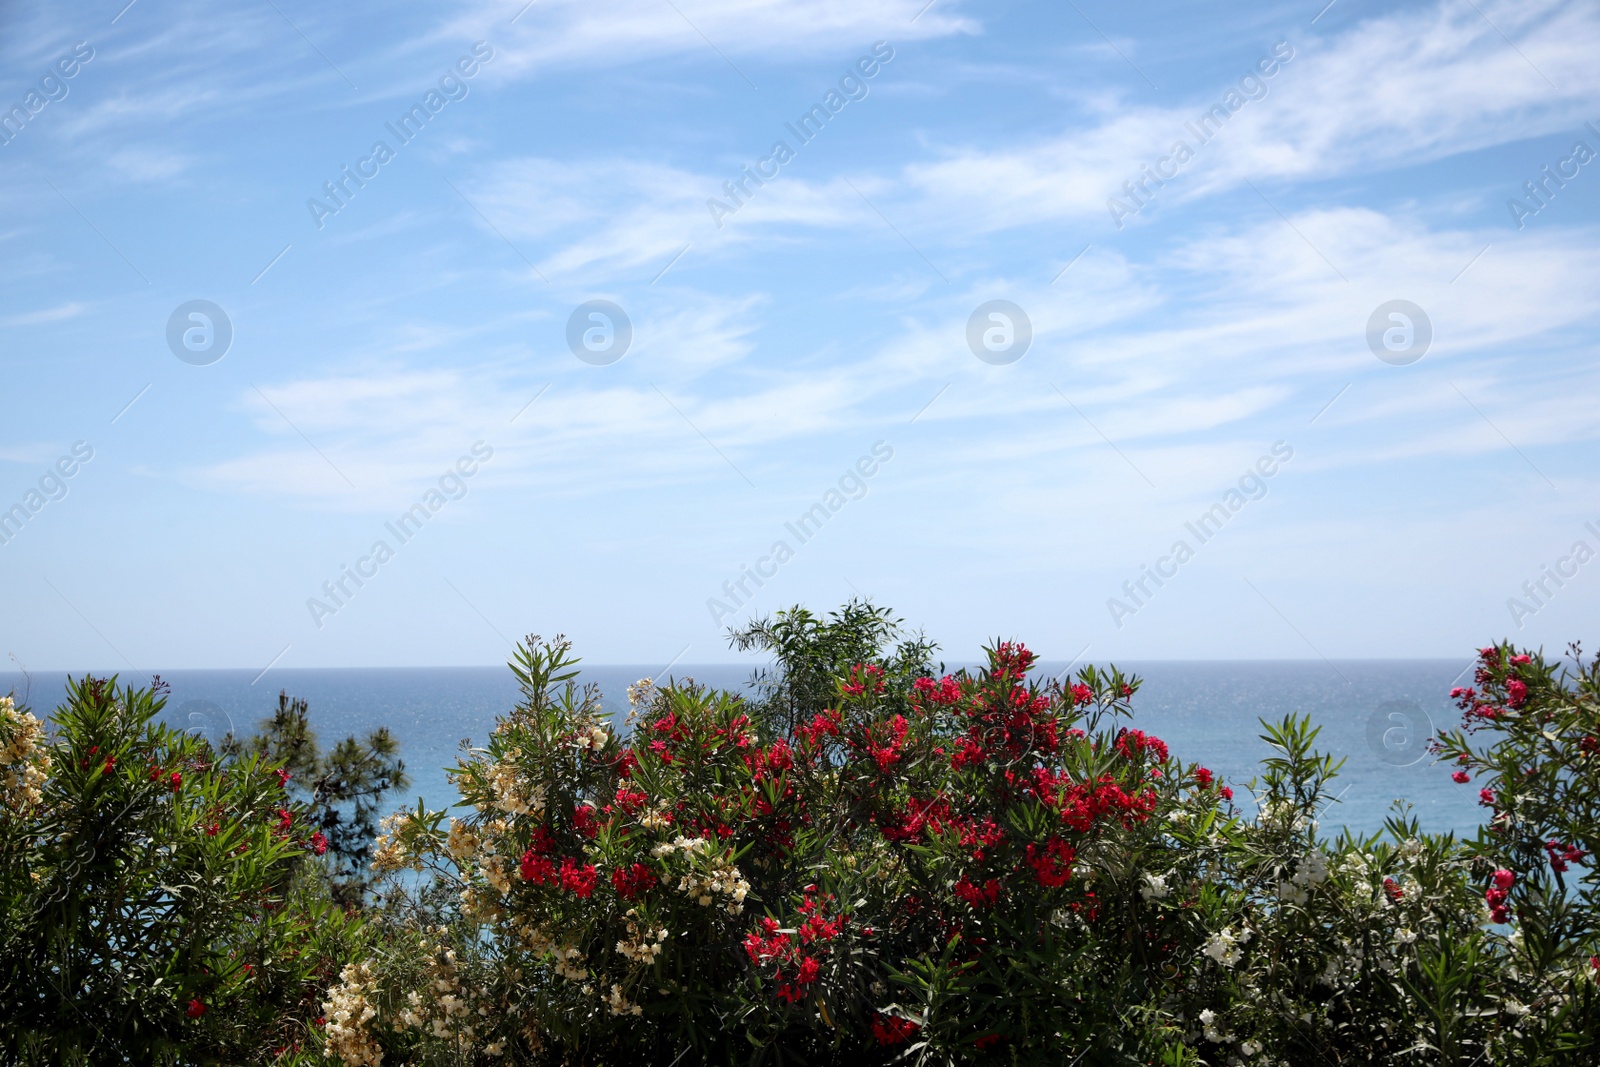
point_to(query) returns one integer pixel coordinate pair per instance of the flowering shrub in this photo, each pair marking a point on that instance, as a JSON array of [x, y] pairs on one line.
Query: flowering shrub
[[868, 860], [153, 907], [950, 868]]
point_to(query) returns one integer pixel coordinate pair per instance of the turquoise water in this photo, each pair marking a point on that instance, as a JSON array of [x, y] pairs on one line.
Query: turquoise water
[[1376, 714]]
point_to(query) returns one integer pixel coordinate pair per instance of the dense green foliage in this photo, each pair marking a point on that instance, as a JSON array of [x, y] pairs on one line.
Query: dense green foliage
[[866, 861]]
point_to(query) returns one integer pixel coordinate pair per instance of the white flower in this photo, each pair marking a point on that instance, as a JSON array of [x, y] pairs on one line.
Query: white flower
[[1405, 936], [1207, 1017], [1155, 887], [1250, 1048], [1223, 947]]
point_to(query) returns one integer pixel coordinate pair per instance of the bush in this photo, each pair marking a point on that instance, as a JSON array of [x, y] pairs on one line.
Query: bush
[[867, 861], [156, 905], [903, 866]]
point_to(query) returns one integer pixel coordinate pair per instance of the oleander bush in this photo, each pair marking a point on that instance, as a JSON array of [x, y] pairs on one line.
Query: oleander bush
[[867, 860], [906, 866]]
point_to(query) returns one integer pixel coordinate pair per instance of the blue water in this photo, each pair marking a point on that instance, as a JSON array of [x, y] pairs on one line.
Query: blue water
[[1375, 714]]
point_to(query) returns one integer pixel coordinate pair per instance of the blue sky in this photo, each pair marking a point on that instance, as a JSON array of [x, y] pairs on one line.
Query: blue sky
[[780, 338]]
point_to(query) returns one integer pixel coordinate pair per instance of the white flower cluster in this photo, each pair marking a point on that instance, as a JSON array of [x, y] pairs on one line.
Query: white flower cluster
[[641, 695], [723, 879], [388, 853], [462, 841], [621, 1005], [444, 1008], [569, 963], [24, 763], [592, 739], [689, 845], [1155, 887], [1309, 873], [494, 872], [642, 946], [1208, 1023], [655, 820], [511, 793], [1225, 947], [348, 1011]]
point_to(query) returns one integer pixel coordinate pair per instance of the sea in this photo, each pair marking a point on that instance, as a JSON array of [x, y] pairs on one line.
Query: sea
[[1375, 715]]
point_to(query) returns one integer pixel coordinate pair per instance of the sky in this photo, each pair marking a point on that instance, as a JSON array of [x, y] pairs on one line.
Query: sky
[[1173, 331]]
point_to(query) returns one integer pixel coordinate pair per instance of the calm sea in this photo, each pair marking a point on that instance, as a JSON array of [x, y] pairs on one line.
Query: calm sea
[[1377, 715]]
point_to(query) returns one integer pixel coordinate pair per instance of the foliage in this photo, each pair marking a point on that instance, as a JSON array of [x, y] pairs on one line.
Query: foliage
[[869, 863], [343, 790], [154, 904]]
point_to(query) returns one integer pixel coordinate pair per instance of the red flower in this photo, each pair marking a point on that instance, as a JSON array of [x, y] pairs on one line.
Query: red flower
[[319, 844], [1081, 694], [283, 777], [1504, 879], [1460, 777], [1227, 793], [537, 869], [633, 882], [195, 1009], [285, 819], [1392, 890], [1516, 692], [177, 781], [892, 1030], [808, 971], [1202, 776], [111, 761], [1052, 865], [584, 821], [579, 880], [1486, 797], [975, 896]]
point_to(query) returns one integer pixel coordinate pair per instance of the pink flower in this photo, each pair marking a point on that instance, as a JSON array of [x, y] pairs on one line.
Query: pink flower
[[1504, 879], [1486, 797], [1460, 777], [1516, 692]]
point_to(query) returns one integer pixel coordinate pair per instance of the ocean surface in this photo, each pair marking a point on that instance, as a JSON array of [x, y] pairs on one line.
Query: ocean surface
[[1375, 714]]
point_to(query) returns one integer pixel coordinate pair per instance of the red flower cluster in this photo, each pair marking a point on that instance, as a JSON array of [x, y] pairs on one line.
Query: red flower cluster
[[1052, 865], [1497, 893], [578, 880], [1561, 855], [979, 897], [863, 678], [319, 844], [825, 724], [893, 1030], [945, 692], [633, 882], [1132, 744], [893, 736], [778, 948]]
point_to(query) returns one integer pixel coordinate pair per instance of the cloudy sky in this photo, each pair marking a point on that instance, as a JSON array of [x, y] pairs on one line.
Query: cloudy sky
[[1353, 246]]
